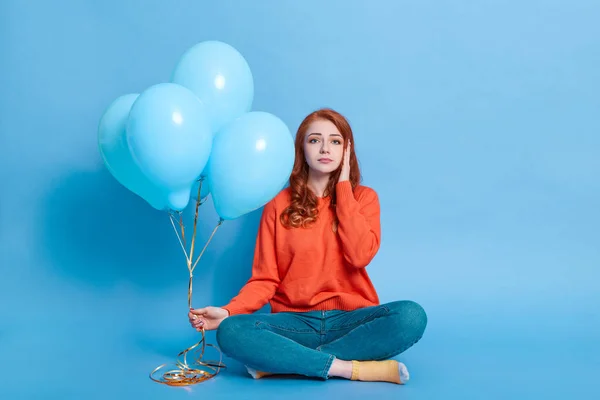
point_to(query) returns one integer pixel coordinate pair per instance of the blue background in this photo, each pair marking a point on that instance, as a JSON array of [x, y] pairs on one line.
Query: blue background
[[476, 122]]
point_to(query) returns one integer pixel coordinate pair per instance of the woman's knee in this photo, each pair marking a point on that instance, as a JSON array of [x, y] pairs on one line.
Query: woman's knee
[[230, 334], [410, 316]]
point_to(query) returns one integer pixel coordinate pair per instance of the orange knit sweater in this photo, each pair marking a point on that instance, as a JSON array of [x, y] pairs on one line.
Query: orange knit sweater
[[315, 268]]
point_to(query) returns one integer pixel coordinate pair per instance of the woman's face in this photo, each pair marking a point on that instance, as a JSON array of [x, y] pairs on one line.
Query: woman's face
[[323, 147]]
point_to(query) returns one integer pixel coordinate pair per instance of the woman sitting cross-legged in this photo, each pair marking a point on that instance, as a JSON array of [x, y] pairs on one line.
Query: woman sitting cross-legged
[[314, 242]]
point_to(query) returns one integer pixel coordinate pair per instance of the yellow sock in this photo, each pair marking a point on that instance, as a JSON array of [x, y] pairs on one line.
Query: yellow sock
[[381, 371]]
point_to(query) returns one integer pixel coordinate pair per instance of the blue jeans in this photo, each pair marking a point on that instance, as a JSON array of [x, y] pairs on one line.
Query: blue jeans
[[307, 343]]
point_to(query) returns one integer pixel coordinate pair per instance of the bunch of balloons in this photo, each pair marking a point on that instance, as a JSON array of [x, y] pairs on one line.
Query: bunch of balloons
[[198, 126]]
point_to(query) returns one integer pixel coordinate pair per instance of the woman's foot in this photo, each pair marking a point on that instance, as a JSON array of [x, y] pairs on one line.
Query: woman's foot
[[257, 374], [371, 371]]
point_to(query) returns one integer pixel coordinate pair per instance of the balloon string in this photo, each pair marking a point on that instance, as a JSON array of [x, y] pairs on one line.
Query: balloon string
[[179, 237], [191, 270], [185, 374], [190, 291], [194, 232], [207, 242], [182, 229]]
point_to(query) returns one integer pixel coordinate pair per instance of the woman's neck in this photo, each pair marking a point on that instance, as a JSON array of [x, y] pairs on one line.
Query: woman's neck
[[317, 182]]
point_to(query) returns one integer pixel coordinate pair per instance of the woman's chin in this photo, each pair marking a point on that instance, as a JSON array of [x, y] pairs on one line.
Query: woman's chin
[[323, 169], [321, 172]]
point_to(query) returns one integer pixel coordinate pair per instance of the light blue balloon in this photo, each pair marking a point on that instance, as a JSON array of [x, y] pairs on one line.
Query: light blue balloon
[[220, 76], [251, 161], [112, 143], [169, 136]]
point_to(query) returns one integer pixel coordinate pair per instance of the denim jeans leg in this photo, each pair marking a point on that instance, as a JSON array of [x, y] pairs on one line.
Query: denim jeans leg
[[281, 343], [376, 333]]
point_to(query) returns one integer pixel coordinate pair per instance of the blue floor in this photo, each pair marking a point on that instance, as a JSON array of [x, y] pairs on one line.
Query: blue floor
[[100, 356]]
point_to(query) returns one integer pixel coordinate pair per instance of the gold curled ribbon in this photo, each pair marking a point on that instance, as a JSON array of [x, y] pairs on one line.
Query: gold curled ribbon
[[186, 374]]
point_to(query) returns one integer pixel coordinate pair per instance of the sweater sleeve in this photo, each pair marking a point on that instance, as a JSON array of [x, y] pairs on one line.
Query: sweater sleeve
[[263, 283], [359, 224]]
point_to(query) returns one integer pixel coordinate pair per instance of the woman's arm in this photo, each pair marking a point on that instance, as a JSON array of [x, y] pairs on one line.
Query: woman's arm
[[264, 281], [359, 223]]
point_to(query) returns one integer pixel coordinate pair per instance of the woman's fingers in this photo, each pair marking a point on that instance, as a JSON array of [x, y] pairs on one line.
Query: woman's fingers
[[198, 322], [199, 311]]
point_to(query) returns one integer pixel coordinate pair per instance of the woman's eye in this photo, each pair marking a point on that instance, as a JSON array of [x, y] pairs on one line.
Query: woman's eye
[[337, 142], [313, 141]]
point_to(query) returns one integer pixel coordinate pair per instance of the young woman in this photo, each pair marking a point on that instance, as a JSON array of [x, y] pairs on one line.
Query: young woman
[[314, 242]]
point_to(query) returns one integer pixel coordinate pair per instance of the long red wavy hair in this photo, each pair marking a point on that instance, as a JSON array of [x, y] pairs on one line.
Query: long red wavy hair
[[303, 210]]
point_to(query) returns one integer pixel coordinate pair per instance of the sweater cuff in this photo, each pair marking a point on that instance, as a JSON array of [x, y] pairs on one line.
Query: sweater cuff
[[233, 310], [343, 190], [345, 196]]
